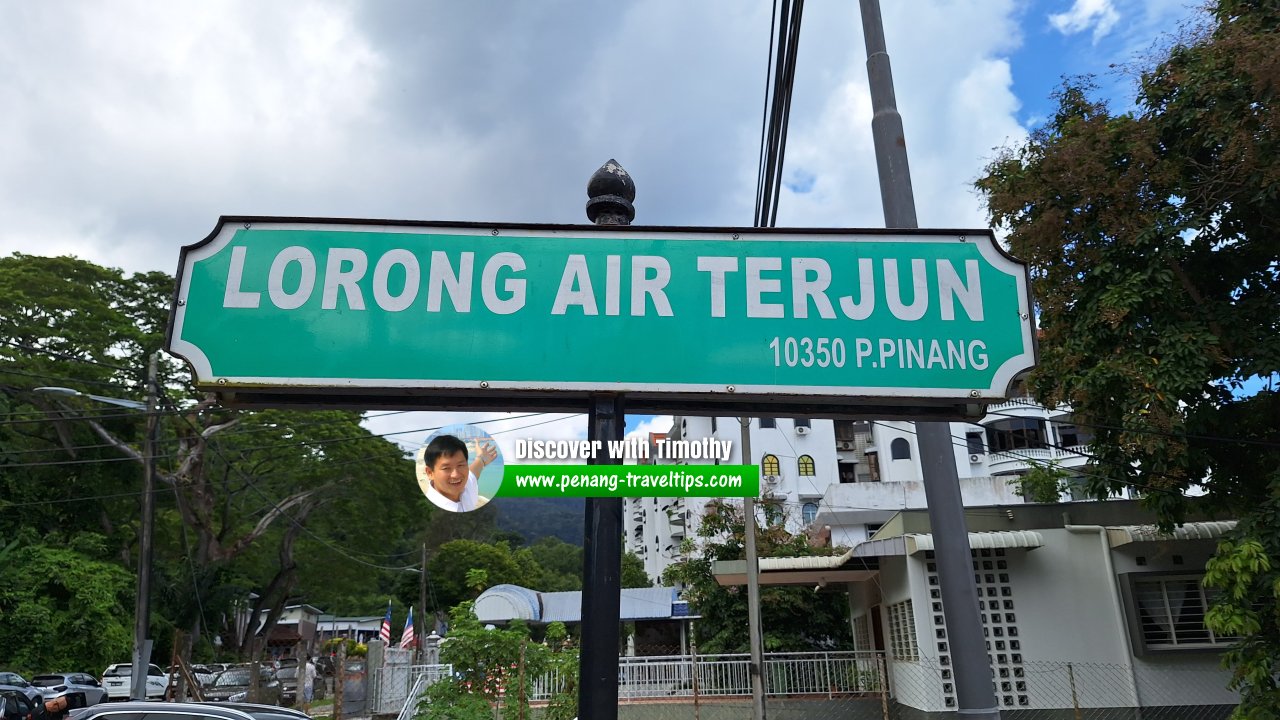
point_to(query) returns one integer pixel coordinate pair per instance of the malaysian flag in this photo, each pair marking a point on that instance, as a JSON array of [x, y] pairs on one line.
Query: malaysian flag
[[406, 639], [385, 632]]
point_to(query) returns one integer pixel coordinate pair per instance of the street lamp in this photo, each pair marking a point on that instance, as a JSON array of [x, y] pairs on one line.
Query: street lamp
[[142, 604]]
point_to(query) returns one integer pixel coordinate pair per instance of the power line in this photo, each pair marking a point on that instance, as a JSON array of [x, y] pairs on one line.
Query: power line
[[1149, 431], [103, 383], [785, 27], [73, 358]]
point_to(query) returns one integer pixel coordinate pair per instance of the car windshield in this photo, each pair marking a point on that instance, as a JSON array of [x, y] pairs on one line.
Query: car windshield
[[118, 671], [8, 678], [234, 677], [48, 680]]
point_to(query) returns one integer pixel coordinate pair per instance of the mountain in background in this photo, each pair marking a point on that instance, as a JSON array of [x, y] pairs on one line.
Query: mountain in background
[[536, 518]]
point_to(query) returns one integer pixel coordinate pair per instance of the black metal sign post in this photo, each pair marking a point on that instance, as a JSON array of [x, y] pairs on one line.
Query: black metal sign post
[[610, 192]]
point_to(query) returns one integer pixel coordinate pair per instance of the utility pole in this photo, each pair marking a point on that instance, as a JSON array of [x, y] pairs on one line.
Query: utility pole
[[975, 694], [422, 603], [142, 603], [610, 192], [753, 585]]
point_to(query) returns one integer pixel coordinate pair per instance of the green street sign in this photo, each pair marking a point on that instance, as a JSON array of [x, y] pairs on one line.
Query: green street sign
[[385, 313]]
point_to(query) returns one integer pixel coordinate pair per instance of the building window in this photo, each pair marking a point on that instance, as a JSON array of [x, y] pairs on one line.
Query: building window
[[768, 423], [974, 442], [900, 449], [804, 422], [770, 465], [808, 512], [1071, 435], [862, 633], [873, 466], [873, 528], [902, 632], [805, 464], [1170, 612], [1015, 434], [848, 472]]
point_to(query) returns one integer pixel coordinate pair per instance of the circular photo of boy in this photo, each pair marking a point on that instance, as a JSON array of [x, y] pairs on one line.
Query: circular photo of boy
[[459, 468]]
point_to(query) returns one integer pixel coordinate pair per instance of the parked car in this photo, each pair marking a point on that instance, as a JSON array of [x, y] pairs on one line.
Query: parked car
[[233, 685], [117, 681], [80, 689], [288, 677], [14, 681], [135, 710], [15, 705], [205, 674]]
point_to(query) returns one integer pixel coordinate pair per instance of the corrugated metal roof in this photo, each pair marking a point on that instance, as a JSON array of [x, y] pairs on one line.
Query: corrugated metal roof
[[817, 562], [501, 603], [983, 540], [919, 542], [1125, 534]]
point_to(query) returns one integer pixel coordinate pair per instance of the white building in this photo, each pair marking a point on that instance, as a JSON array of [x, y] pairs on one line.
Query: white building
[[1082, 604], [798, 461], [849, 477]]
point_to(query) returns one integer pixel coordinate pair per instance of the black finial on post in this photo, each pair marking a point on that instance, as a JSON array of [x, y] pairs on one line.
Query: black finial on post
[[611, 192]]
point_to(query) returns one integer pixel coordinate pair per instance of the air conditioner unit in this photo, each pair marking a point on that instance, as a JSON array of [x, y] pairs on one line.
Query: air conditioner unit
[[771, 479], [844, 444], [975, 458], [802, 430]]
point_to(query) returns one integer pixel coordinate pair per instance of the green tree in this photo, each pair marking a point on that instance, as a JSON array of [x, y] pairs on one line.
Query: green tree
[[241, 496], [62, 607], [1043, 484], [494, 669], [794, 618], [1151, 238], [450, 570], [633, 574]]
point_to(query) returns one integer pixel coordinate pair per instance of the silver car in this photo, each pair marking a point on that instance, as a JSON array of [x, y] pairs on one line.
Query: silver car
[[133, 710], [56, 685]]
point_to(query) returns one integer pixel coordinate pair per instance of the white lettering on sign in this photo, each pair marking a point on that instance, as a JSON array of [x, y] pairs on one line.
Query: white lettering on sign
[[443, 277], [717, 266], [862, 309], [306, 283], [654, 287], [514, 287], [919, 288], [758, 285], [805, 288], [348, 279], [576, 276], [772, 287], [234, 296], [382, 276]]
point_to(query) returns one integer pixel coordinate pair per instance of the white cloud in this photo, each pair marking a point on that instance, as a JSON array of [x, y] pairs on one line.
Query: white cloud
[[1101, 15]]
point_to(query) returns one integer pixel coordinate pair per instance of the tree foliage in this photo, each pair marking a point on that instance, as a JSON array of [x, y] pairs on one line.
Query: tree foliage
[[1042, 484], [792, 617], [494, 669], [63, 608], [245, 501], [1152, 241]]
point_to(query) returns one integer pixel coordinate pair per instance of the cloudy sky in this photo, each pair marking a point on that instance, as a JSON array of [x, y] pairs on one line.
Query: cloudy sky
[[129, 127]]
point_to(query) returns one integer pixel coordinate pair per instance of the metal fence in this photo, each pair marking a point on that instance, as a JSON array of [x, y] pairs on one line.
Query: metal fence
[[824, 674], [857, 685]]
